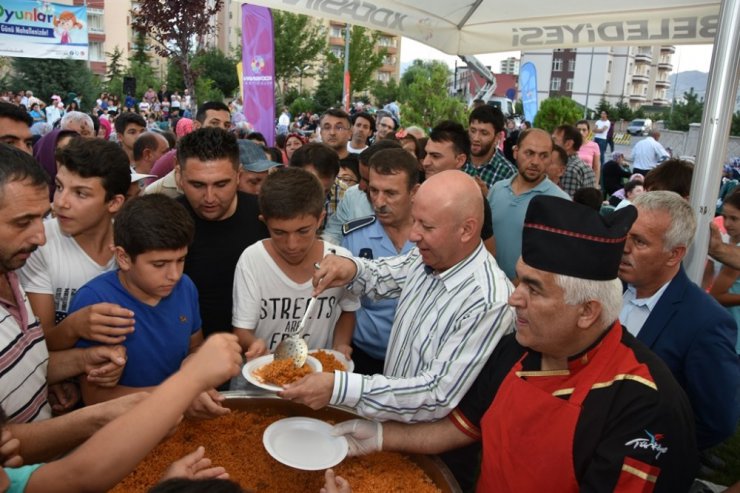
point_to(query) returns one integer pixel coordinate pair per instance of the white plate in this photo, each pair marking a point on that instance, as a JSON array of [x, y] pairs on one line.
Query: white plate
[[349, 364], [304, 443], [251, 366]]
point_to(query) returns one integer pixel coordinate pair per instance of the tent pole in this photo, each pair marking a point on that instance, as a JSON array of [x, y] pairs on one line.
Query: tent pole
[[715, 131]]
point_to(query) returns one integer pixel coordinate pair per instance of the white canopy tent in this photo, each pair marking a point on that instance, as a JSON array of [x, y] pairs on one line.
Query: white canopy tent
[[485, 26]]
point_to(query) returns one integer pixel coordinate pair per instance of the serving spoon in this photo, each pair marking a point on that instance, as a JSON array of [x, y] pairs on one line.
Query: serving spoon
[[295, 347]]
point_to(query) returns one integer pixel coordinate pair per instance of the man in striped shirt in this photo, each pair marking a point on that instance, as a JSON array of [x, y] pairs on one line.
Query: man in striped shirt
[[451, 313], [26, 366]]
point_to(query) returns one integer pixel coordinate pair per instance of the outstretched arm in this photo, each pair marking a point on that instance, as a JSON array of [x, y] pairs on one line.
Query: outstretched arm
[[114, 451]]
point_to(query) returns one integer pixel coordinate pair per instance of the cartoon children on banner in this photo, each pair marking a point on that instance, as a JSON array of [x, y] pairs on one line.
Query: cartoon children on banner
[[63, 25]]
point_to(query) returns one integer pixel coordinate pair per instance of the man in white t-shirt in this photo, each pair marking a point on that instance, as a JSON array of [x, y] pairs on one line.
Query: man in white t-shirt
[[91, 184], [601, 130], [272, 283], [363, 127], [283, 122]]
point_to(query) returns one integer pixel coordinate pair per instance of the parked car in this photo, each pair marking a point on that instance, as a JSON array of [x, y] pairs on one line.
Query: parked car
[[640, 126]]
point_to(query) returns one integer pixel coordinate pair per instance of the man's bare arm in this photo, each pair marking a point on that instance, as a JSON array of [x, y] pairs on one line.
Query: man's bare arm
[[45, 440], [423, 438], [102, 365], [365, 436], [43, 308]]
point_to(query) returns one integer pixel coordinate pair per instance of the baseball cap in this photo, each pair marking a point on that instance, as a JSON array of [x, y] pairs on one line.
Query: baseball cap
[[252, 157]]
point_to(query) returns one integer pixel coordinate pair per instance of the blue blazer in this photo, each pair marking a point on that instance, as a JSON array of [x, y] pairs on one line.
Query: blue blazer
[[695, 336]]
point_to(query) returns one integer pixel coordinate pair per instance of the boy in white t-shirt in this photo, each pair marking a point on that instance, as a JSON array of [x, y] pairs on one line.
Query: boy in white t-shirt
[[272, 283], [91, 183]]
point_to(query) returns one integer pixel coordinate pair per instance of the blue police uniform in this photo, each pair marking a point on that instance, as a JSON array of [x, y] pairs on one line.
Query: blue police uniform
[[366, 238]]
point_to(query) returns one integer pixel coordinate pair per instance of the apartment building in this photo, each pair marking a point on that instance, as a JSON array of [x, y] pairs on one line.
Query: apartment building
[[637, 75], [510, 66]]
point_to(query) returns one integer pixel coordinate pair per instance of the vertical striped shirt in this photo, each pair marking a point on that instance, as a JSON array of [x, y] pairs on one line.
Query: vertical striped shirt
[[445, 328], [23, 360]]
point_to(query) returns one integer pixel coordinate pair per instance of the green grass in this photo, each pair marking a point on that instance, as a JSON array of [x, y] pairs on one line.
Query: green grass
[[729, 451]]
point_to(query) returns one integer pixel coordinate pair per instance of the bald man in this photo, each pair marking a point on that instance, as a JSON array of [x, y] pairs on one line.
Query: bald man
[[452, 310]]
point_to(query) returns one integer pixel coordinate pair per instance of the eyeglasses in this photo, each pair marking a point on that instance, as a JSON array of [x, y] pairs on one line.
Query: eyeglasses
[[337, 128], [347, 179]]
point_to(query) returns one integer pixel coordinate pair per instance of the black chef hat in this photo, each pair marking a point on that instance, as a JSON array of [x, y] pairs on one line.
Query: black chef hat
[[563, 237]]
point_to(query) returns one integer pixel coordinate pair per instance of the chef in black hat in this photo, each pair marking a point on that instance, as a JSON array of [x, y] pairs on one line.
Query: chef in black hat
[[571, 401]]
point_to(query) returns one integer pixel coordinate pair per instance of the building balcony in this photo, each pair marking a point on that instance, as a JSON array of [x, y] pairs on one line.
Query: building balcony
[[668, 49], [661, 102], [643, 57], [637, 78], [97, 67], [665, 65], [336, 41], [662, 83], [637, 98]]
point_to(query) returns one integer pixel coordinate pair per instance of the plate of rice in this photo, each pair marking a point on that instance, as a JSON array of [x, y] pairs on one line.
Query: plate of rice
[[270, 374], [332, 360]]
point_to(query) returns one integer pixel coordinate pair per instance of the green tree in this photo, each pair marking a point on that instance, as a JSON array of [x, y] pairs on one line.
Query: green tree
[[174, 79], [385, 91], [687, 111], [301, 105], [140, 53], [623, 111], [207, 90], [518, 107], [218, 67], [140, 67], [735, 128], [557, 111], [114, 71], [46, 77], [298, 45], [329, 90], [425, 98], [175, 27], [364, 59], [605, 105]]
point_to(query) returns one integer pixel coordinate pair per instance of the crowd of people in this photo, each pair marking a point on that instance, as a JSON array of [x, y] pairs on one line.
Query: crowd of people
[[498, 311]]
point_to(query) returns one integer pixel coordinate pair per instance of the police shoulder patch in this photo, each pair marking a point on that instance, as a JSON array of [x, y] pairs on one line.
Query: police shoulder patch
[[356, 224]]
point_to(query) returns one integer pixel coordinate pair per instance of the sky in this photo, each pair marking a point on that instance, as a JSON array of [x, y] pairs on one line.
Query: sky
[[687, 57]]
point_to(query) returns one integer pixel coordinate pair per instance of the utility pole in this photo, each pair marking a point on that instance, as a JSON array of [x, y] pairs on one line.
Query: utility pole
[[588, 84], [346, 86]]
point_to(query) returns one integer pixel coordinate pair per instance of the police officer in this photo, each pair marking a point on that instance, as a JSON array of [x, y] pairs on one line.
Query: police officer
[[394, 180]]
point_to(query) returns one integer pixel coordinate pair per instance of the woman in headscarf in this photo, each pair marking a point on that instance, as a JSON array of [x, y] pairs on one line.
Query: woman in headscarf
[[105, 129]]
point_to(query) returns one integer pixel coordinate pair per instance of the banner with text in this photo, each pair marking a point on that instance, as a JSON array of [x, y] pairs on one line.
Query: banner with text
[[258, 65], [37, 29]]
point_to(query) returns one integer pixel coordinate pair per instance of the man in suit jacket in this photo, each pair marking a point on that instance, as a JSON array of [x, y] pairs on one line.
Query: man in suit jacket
[[687, 328]]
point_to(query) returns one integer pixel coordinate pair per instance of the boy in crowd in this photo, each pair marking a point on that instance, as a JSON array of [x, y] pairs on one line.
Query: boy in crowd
[[272, 283], [151, 236], [91, 183], [129, 126]]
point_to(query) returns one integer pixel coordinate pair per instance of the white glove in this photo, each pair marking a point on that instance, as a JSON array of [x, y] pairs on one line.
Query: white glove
[[363, 436]]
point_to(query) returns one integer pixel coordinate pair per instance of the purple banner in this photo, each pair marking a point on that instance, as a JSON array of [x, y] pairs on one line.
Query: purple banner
[[258, 66]]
